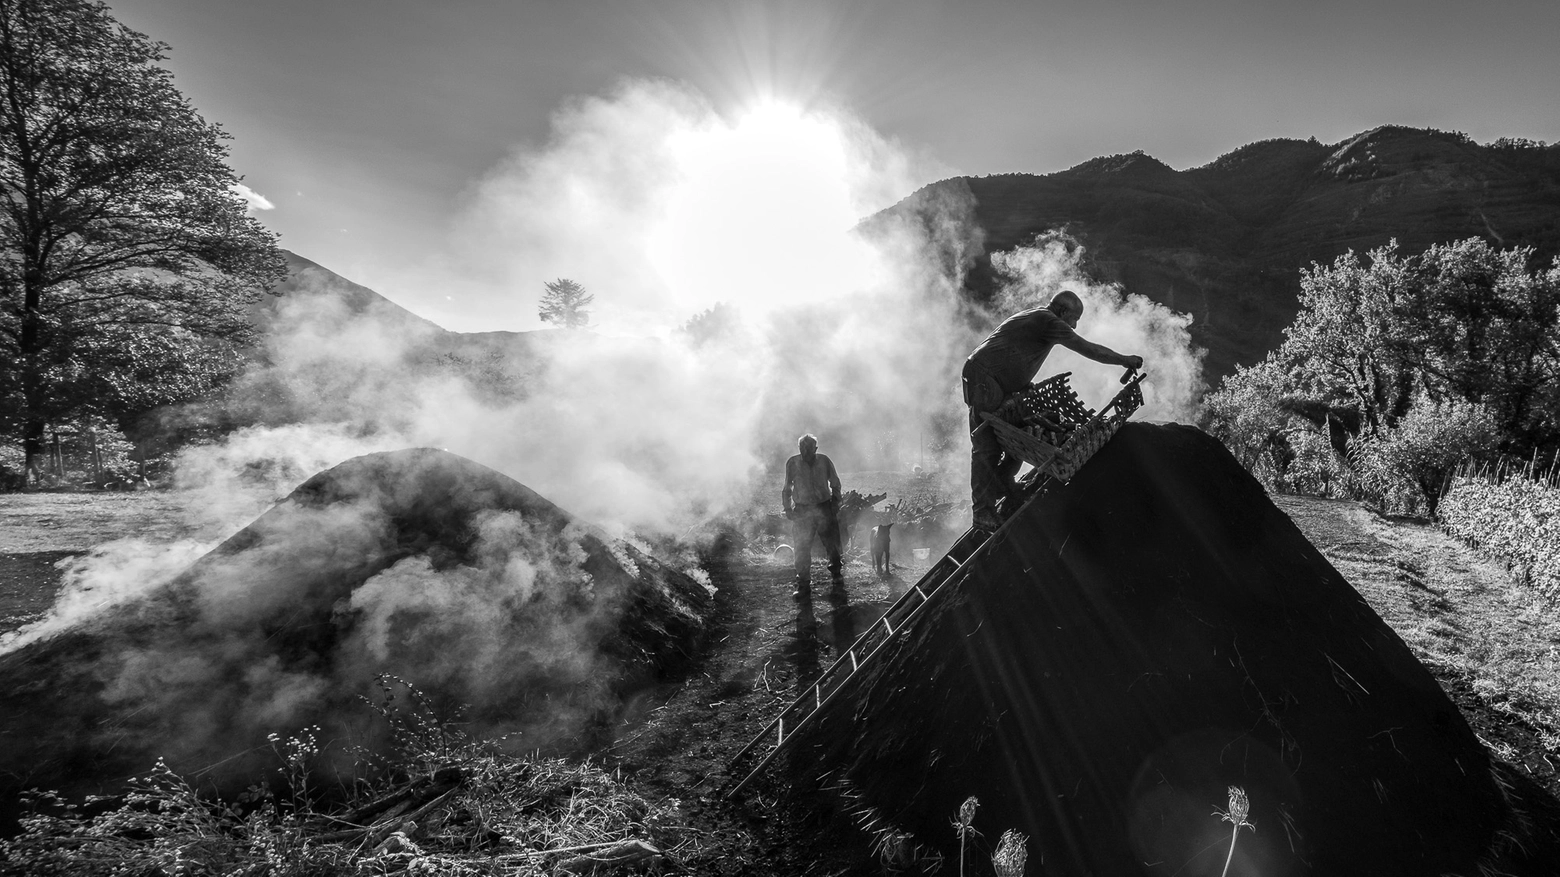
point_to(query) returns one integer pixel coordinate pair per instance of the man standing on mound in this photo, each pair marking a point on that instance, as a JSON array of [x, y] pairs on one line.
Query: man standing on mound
[[1004, 364], [811, 497]]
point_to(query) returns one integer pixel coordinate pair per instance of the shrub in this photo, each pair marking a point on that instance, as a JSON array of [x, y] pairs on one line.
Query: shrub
[[1316, 469], [1515, 519], [1407, 466]]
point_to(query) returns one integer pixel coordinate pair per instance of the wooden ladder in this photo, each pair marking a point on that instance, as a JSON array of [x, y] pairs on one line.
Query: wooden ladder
[[866, 647], [1053, 466]]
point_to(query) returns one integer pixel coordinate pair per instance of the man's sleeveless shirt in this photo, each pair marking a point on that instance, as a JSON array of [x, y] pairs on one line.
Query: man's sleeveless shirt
[[1013, 353]]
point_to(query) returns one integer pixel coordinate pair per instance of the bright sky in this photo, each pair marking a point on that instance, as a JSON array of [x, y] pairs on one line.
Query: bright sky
[[399, 142]]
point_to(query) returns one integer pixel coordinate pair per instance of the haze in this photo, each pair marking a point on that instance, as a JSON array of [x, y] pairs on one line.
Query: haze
[[378, 133]]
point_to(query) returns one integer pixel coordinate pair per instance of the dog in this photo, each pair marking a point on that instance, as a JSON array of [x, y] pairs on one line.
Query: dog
[[880, 540]]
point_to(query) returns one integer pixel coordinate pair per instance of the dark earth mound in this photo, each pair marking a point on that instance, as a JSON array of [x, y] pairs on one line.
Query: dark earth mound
[[1128, 648], [417, 563]]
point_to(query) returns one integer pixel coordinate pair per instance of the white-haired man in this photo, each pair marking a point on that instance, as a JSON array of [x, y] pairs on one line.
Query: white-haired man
[[1005, 363], [811, 498]]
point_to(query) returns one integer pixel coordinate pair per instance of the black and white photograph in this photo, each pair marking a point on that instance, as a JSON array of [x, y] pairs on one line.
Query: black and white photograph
[[843, 438]]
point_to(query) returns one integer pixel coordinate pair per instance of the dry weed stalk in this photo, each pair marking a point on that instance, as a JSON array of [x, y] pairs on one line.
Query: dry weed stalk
[[962, 826], [442, 803], [1239, 809]]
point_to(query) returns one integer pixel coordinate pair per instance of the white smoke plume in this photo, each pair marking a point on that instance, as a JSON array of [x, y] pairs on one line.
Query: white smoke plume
[[1126, 323], [645, 423], [663, 208]]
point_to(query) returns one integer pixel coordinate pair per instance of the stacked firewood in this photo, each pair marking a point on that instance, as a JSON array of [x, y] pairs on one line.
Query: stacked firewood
[[852, 506]]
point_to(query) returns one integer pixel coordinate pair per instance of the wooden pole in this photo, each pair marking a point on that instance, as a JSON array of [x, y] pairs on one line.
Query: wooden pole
[[97, 456]]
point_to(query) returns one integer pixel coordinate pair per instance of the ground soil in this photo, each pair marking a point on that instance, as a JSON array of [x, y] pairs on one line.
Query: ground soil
[[40, 530], [1491, 643]]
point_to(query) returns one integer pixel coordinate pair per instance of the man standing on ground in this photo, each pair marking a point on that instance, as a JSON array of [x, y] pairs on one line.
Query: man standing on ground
[[811, 497], [1004, 364]]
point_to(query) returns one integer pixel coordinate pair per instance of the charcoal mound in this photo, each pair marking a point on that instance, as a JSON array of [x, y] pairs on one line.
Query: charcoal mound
[[1129, 648], [417, 563]]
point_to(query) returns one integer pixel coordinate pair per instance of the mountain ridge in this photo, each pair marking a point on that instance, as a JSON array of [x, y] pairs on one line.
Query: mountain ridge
[[1225, 241]]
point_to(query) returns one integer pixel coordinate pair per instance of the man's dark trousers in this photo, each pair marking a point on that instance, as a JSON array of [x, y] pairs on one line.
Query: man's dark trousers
[[991, 469], [821, 521]]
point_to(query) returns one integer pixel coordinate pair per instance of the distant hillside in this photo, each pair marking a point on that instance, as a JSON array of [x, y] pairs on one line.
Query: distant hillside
[[308, 280], [322, 296], [1225, 241], [333, 349]]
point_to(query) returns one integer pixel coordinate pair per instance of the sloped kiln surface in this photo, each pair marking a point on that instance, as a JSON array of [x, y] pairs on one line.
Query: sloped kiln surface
[[1127, 649]]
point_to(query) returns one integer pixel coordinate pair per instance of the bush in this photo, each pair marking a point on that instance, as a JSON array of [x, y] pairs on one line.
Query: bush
[[1515, 519], [1405, 468], [1314, 468]]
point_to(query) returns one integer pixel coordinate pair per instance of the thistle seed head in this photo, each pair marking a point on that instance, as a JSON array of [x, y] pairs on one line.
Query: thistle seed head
[[1010, 855], [967, 811], [1240, 808]]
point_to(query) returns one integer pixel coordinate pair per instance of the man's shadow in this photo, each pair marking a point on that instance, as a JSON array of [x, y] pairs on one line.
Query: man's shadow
[[803, 648], [843, 624]]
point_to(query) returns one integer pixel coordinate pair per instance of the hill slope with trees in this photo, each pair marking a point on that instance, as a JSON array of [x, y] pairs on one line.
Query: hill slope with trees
[[1226, 242]]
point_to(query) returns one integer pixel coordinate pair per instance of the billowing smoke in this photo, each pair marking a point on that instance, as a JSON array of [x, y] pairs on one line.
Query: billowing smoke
[[1126, 323], [664, 210], [417, 563], [734, 309]]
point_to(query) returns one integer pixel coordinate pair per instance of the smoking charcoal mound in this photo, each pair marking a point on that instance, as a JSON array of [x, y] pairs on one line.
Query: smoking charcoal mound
[[418, 563], [1131, 646]]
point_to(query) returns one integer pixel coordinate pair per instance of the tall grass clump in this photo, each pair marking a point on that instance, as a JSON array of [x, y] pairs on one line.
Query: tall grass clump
[[1512, 516]]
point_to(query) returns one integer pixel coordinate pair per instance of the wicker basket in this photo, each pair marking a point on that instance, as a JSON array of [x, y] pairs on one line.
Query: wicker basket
[[1047, 400], [1053, 399]]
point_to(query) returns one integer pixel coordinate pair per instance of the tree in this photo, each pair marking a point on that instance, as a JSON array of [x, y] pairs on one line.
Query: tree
[[719, 321], [1340, 350], [127, 261], [1459, 321], [1475, 326], [1409, 363], [565, 303], [1244, 414]]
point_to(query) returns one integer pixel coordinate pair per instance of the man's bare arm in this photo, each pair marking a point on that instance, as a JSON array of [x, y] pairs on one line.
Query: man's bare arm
[[1099, 352], [785, 492]]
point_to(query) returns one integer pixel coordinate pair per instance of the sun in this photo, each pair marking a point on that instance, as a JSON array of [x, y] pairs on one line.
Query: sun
[[760, 210]]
